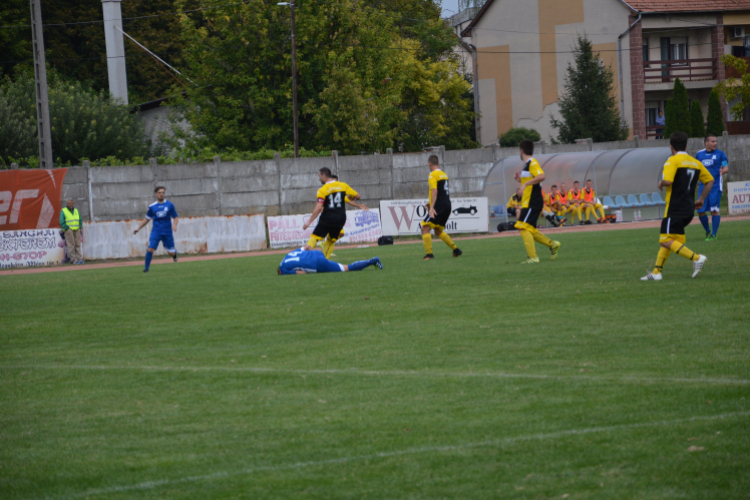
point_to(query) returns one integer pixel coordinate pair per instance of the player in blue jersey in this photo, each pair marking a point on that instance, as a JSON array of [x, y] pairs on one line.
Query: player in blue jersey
[[717, 163], [164, 215], [303, 261]]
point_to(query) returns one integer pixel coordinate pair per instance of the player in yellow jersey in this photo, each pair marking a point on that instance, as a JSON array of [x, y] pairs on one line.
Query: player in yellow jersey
[[514, 204], [591, 204], [439, 209], [331, 207], [562, 198], [532, 204], [680, 178], [575, 197]]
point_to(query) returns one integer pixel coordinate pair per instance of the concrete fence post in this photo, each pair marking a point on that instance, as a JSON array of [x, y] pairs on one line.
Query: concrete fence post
[[152, 162], [14, 166], [637, 141], [441, 152], [86, 163], [389, 152], [277, 159], [89, 181], [335, 155], [219, 188]]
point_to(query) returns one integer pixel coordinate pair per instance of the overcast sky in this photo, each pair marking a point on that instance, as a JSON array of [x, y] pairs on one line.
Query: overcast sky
[[450, 7]]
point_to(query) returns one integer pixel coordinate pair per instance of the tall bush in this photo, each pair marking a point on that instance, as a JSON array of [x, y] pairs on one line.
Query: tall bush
[[680, 108], [715, 117], [512, 137], [697, 129]]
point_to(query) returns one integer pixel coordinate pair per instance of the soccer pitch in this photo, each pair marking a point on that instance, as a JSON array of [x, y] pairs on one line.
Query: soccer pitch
[[473, 377]]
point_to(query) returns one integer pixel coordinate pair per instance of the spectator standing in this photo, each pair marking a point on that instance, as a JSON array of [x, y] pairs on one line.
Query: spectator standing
[[660, 120], [70, 222]]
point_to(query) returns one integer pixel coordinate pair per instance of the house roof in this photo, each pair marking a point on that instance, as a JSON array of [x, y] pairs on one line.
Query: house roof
[[651, 6], [655, 6]]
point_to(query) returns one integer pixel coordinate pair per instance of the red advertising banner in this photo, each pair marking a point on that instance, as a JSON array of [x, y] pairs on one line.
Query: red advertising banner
[[30, 199]]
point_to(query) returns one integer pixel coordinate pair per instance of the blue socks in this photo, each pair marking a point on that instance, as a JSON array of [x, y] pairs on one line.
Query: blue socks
[[715, 220], [360, 264], [704, 221], [149, 256]]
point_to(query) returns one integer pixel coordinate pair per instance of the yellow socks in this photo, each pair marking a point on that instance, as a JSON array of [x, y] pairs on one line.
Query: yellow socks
[[541, 239], [601, 211], [683, 251], [528, 241], [328, 247], [447, 240], [589, 212], [427, 241], [661, 259]]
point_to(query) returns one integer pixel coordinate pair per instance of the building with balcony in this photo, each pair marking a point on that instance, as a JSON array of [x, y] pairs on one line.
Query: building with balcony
[[523, 48]]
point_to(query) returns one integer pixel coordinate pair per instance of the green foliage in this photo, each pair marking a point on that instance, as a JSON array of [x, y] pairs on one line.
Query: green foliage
[[669, 120], [365, 83], [680, 109], [84, 123], [734, 89], [715, 119], [697, 128], [512, 137], [589, 105]]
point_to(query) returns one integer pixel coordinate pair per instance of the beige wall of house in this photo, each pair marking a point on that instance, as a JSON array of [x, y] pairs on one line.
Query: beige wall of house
[[520, 75]]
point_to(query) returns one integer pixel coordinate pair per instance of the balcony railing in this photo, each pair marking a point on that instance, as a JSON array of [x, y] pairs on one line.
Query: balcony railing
[[687, 70]]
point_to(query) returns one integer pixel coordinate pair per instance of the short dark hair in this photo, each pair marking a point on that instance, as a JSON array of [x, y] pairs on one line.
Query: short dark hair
[[705, 139], [157, 188], [326, 171], [588, 180], [334, 176], [678, 141], [576, 182], [554, 185], [526, 146], [433, 160]]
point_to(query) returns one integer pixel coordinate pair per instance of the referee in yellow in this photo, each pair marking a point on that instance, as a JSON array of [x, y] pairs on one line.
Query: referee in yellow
[[532, 204]]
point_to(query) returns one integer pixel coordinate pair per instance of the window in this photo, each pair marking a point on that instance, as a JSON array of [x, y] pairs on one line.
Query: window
[[651, 114], [645, 50], [678, 49]]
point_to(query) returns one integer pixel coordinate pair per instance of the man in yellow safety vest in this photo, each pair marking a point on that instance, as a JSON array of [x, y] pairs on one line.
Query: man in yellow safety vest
[[70, 222]]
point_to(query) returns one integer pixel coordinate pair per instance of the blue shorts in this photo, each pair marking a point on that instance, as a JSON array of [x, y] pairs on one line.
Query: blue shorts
[[323, 265], [712, 203], [166, 239]]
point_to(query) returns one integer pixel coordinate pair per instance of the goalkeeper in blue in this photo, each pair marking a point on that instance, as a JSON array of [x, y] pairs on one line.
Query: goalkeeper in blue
[[314, 261]]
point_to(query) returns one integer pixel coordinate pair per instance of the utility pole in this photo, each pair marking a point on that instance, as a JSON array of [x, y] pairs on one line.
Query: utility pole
[[118, 77], [40, 78], [294, 81]]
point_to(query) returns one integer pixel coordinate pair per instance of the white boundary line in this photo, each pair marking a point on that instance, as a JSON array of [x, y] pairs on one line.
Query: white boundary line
[[384, 373], [148, 485]]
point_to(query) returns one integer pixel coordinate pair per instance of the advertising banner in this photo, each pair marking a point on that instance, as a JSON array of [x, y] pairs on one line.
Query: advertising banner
[[285, 231], [115, 239], [738, 197], [402, 217], [29, 217], [31, 247]]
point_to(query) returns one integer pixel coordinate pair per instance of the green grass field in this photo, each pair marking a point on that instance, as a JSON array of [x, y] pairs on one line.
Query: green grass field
[[456, 378]]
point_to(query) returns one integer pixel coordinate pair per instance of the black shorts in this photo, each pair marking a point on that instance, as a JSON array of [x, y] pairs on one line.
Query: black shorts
[[530, 216], [675, 225], [324, 229], [440, 219]]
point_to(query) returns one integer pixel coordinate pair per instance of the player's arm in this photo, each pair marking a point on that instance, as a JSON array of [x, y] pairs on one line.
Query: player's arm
[[724, 167], [173, 213], [351, 193], [708, 182], [533, 181], [667, 177], [174, 224], [360, 206], [144, 222], [318, 209]]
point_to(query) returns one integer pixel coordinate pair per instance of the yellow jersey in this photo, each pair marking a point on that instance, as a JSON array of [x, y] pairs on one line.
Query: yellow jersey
[[333, 197], [532, 195], [684, 172], [439, 180]]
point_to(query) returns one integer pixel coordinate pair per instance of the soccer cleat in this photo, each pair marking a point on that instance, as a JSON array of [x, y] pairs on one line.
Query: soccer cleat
[[698, 265], [531, 260], [457, 252], [708, 236], [174, 257], [429, 256], [562, 221], [712, 238], [376, 262], [145, 270], [651, 277], [588, 222], [554, 249]]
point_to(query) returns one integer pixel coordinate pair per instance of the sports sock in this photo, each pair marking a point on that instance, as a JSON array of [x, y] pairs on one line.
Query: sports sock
[[579, 212], [328, 248], [359, 265], [528, 241], [149, 256], [542, 239], [661, 259], [312, 242], [683, 251], [601, 212], [447, 240], [715, 221], [589, 211], [704, 220], [427, 241]]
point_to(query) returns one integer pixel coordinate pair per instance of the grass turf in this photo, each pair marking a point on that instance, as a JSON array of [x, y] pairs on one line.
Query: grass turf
[[454, 378]]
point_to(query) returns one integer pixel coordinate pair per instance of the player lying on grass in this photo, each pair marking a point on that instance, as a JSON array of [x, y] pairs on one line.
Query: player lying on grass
[[164, 215], [314, 261], [681, 175]]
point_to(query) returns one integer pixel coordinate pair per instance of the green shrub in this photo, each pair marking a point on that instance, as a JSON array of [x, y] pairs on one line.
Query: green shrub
[[715, 117], [697, 129], [512, 137]]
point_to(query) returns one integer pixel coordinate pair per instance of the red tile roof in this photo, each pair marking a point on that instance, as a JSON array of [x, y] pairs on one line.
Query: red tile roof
[[687, 5]]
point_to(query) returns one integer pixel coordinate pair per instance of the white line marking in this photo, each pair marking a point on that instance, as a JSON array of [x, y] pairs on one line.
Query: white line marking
[[384, 373], [148, 485]]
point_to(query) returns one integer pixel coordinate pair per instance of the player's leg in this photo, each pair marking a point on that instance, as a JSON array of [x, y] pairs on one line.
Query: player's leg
[[427, 239], [362, 264], [702, 214], [319, 234], [153, 244], [168, 242], [714, 203], [589, 210], [600, 208], [440, 233]]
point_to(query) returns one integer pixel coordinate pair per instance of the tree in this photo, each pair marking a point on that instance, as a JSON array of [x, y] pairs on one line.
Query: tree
[[589, 104], [84, 123], [680, 109], [512, 137], [697, 129], [670, 126], [715, 119], [737, 88]]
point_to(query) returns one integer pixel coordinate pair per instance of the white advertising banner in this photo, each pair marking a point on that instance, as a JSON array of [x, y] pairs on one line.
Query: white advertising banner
[[217, 234], [401, 217], [738, 197], [31, 247], [285, 231]]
